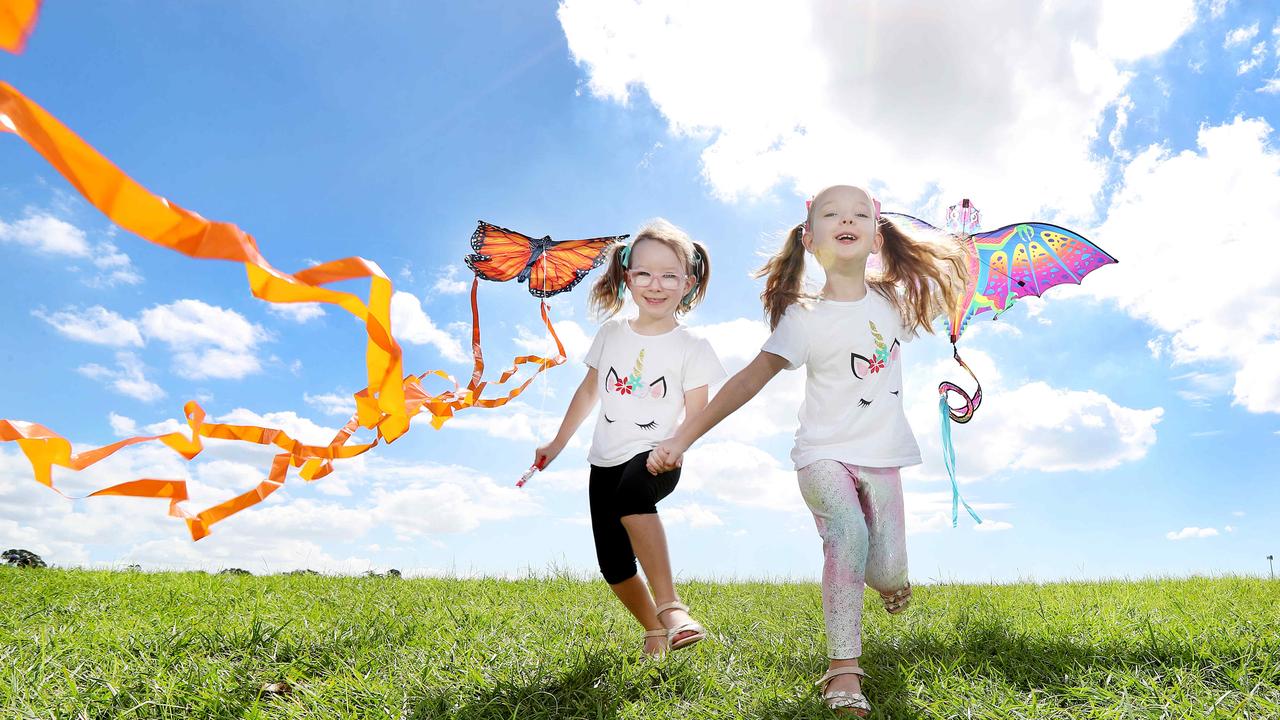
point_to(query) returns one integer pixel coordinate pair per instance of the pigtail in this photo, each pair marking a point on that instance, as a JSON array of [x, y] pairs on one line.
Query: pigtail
[[700, 269], [784, 277], [606, 293], [923, 276]]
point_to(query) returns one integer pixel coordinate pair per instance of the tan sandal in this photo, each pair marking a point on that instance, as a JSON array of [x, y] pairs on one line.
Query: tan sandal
[[656, 634], [843, 701], [897, 601], [699, 632]]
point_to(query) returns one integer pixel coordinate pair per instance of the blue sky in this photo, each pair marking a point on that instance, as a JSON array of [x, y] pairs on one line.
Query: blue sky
[[1130, 428]]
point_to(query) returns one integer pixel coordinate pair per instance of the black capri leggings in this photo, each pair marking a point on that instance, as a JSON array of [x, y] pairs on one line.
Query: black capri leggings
[[617, 491]]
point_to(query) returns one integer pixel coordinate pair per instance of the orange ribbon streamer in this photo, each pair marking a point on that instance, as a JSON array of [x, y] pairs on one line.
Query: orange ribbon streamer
[[17, 20], [386, 405]]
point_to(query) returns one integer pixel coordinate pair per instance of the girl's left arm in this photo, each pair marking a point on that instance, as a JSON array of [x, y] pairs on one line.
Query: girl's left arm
[[695, 401]]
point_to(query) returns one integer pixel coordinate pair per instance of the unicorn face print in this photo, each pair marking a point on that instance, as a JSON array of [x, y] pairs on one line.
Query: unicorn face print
[[634, 390], [884, 356]]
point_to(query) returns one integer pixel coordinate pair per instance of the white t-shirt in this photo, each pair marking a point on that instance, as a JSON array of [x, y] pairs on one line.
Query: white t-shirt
[[852, 409], [643, 379]]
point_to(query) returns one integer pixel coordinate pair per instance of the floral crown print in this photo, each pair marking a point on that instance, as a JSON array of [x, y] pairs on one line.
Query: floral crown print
[[633, 384]]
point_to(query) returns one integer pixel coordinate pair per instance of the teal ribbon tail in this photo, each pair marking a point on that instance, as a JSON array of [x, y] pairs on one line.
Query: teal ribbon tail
[[949, 459]]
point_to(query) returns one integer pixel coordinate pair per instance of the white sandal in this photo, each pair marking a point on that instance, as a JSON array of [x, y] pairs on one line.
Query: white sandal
[[655, 634], [843, 701], [699, 632]]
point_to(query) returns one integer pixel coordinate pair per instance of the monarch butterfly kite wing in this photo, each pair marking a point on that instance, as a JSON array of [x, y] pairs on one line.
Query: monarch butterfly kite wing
[[564, 264], [500, 254]]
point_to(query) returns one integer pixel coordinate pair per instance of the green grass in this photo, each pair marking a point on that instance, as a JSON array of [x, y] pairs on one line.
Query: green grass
[[80, 644]]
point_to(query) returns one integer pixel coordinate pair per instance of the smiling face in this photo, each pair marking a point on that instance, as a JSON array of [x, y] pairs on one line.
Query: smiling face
[[657, 279], [842, 227]]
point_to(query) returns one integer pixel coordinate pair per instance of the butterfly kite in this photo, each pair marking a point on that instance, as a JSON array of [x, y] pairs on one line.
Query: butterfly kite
[[1004, 265], [547, 266], [391, 399]]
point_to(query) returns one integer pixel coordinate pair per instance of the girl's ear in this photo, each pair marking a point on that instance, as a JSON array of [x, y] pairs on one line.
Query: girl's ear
[[806, 239], [877, 243]]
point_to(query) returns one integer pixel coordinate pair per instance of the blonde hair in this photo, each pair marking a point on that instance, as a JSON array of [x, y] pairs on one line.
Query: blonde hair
[[606, 295], [922, 276]]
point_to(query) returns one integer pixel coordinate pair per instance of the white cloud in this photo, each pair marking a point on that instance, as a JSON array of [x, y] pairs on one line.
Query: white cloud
[[298, 428], [129, 377], [691, 514], [447, 282], [1271, 87], [410, 324], [1123, 107], [297, 312], [47, 234], [1040, 427], [207, 341], [115, 267], [122, 426], [50, 235], [1242, 35], [332, 403], [741, 474], [836, 94], [993, 526], [284, 532], [774, 410], [572, 478], [1191, 532], [1217, 8], [516, 422], [1158, 347], [931, 512], [1180, 269], [94, 324], [431, 499], [1256, 57], [575, 340]]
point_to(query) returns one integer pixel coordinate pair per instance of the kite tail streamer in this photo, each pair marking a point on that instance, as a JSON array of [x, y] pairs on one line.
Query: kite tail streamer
[[17, 20], [386, 405], [963, 415]]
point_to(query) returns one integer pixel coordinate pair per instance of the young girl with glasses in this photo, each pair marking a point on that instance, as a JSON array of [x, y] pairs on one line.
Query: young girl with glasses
[[645, 371]]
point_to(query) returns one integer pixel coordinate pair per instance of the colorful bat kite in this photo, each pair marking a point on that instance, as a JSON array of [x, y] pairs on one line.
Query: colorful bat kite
[[1004, 265], [548, 266], [17, 20], [386, 406]]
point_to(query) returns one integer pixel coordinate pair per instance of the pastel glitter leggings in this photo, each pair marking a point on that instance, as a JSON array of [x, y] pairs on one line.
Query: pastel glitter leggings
[[858, 511]]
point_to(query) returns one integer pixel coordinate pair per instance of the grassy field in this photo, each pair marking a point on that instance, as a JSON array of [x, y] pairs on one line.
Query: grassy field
[[80, 644]]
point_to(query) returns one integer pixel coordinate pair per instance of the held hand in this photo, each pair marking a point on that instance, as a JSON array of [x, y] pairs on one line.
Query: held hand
[[543, 456], [667, 456]]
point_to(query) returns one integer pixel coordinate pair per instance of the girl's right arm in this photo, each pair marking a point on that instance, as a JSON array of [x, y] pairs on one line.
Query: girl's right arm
[[584, 400], [737, 391]]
